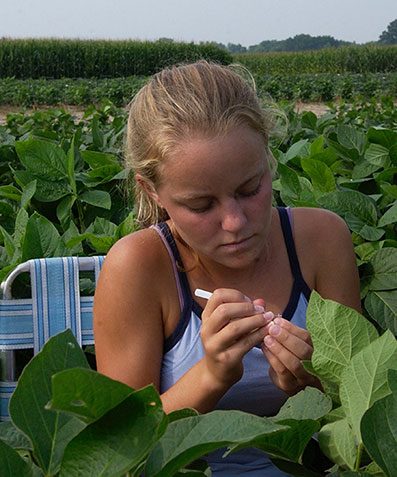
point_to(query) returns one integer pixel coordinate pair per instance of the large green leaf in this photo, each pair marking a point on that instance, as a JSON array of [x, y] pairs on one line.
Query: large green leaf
[[119, 440], [46, 190], [380, 272], [389, 217], [11, 464], [98, 198], [384, 137], [379, 429], [13, 437], [320, 174], [307, 404], [43, 159], [85, 393], [351, 138], [338, 333], [377, 155], [49, 431], [42, 239], [99, 159], [337, 442], [345, 201], [364, 380], [361, 228], [382, 306], [188, 439]]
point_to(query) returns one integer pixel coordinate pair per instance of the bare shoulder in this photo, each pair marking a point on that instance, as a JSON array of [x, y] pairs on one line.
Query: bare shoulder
[[133, 271], [319, 223], [326, 255]]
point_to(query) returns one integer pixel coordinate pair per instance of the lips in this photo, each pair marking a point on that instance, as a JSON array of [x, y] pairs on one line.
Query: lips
[[238, 243]]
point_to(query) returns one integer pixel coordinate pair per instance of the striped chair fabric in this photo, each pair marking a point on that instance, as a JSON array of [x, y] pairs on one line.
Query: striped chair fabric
[[54, 306]]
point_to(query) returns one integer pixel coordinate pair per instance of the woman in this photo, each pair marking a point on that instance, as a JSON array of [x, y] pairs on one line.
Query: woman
[[198, 146]]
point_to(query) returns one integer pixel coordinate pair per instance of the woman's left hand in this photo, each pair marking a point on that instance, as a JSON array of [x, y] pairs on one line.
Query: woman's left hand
[[285, 346]]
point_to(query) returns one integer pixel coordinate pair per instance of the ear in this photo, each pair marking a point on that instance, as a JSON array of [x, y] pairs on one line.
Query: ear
[[149, 189]]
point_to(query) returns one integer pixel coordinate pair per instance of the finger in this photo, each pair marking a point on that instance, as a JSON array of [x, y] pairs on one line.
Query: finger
[[246, 342], [298, 345], [286, 360], [234, 331], [299, 332]]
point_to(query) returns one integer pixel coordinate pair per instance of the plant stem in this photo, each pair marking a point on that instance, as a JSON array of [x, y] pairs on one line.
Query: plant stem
[[358, 459]]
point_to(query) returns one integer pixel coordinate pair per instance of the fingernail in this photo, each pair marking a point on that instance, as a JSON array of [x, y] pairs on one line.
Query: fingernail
[[277, 321], [259, 309], [268, 316], [274, 329], [268, 340]]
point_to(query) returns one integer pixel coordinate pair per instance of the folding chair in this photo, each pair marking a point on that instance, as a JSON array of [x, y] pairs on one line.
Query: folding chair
[[54, 306]]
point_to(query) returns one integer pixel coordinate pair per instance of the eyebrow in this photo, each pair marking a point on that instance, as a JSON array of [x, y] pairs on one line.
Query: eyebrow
[[198, 196]]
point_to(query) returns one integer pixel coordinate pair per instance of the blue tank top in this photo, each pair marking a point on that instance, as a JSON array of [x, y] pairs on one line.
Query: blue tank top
[[255, 392]]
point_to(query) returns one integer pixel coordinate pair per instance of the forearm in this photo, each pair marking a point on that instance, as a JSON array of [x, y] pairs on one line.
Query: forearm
[[196, 389]]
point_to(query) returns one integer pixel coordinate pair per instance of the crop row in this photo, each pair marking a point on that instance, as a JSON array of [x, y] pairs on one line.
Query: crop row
[[352, 59], [54, 58], [325, 87]]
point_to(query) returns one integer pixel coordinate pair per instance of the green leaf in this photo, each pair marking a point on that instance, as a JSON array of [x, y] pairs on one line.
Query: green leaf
[[351, 138], [380, 272], [43, 159], [382, 306], [389, 217], [299, 149], [377, 155], [86, 394], [13, 437], [182, 414], [10, 192], [64, 210], [344, 201], [126, 227], [8, 243], [28, 192], [364, 380], [307, 404], [99, 159], [46, 190], [289, 181], [98, 198], [361, 228], [70, 161], [337, 442], [188, 439], [317, 146], [97, 134], [42, 239], [48, 431], [320, 174], [11, 464], [119, 440], [379, 429], [338, 333], [384, 137]]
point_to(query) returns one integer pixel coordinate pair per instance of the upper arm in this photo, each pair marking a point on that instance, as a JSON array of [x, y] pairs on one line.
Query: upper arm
[[127, 314], [329, 250]]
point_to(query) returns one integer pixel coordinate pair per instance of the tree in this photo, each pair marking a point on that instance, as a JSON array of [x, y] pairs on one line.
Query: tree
[[389, 36]]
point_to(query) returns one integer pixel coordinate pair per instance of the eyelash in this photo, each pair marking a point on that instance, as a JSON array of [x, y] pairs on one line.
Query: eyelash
[[247, 194]]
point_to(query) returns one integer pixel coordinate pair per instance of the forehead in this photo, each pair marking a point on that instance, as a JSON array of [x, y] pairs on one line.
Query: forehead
[[199, 157]]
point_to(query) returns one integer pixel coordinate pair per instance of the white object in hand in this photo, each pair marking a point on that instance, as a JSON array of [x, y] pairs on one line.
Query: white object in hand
[[202, 293]]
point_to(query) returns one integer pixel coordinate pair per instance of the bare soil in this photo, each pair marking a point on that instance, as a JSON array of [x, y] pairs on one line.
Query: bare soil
[[317, 108]]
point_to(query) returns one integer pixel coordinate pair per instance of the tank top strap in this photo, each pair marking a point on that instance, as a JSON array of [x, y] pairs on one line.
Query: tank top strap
[[285, 214], [182, 284]]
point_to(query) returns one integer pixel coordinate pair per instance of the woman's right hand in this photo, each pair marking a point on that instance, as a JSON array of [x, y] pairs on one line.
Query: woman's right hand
[[232, 324]]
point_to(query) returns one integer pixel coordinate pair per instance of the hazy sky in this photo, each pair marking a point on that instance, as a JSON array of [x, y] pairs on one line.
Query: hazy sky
[[236, 21]]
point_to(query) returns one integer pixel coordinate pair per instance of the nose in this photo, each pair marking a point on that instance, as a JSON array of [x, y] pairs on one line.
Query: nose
[[233, 217]]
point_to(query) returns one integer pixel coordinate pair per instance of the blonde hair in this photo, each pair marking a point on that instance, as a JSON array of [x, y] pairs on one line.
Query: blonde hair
[[178, 103]]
